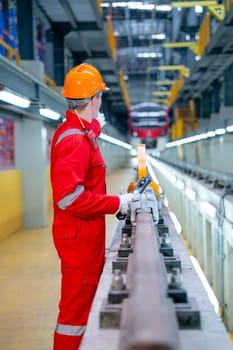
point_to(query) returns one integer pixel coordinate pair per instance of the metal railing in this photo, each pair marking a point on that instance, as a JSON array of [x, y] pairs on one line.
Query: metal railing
[[11, 52]]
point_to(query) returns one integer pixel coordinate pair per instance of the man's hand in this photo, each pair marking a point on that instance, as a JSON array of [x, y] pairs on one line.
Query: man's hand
[[125, 200]]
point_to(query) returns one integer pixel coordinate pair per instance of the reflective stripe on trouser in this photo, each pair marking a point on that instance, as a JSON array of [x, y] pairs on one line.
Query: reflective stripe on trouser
[[70, 330], [75, 305], [64, 342], [68, 337]]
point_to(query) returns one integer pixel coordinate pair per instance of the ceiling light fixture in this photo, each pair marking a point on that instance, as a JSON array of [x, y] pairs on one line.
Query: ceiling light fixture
[[117, 142], [49, 113], [138, 5], [133, 5], [210, 133], [119, 4], [159, 36], [149, 55], [198, 9], [230, 128], [105, 4], [14, 98], [163, 8], [220, 131]]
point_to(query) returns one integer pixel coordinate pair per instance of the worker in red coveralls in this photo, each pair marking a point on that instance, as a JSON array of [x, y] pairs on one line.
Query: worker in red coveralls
[[80, 202]]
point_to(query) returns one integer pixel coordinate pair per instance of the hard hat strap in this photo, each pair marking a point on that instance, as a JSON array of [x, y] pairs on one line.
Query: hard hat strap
[[89, 133], [81, 122]]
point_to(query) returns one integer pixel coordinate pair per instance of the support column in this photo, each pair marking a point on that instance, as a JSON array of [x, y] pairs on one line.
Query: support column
[[216, 96], [228, 81], [31, 159], [49, 54], [26, 29], [206, 106], [59, 59], [197, 104]]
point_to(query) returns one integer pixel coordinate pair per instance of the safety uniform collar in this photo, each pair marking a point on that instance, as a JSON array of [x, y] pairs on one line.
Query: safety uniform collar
[[72, 117]]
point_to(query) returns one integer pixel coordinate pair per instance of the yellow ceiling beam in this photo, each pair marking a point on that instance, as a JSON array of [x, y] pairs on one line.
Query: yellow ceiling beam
[[215, 9], [185, 71], [164, 82], [171, 67], [160, 100], [218, 11], [186, 4], [176, 45], [161, 93]]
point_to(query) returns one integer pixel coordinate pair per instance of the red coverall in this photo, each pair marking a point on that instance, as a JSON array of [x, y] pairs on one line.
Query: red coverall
[[80, 204]]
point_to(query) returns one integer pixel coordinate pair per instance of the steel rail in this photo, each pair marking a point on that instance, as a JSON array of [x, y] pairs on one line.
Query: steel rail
[[148, 316]]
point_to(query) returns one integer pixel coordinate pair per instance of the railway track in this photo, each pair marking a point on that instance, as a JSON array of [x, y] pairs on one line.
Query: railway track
[[150, 296]]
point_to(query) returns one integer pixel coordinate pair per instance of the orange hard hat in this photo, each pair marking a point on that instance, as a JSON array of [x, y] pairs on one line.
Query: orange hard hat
[[83, 81]]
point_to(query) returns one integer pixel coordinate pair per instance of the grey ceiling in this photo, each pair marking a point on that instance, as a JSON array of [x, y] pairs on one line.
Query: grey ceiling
[[135, 31]]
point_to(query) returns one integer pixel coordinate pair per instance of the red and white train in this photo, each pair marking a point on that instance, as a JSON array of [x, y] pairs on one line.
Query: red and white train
[[148, 122]]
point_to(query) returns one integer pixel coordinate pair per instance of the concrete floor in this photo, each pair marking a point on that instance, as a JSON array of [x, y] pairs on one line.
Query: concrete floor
[[30, 281]]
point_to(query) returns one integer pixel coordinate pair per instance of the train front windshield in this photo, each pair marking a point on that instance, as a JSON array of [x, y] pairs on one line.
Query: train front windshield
[[149, 119]]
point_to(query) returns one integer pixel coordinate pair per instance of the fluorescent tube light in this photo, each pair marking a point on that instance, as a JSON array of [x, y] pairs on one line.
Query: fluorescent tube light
[[149, 55], [163, 8], [158, 166], [49, 113], [105, 4], [148, 114], [137, 5], [220, 131], [230, 128], [133, 5], [152, 173], [159, 36], [175, 222], [14, 99], [205, 283], [198, 9], [210, 133], [115, 141], [203, 136], [165, 201], [119, 4]]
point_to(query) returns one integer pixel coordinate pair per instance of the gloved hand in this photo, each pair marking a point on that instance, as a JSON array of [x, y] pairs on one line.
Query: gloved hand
[[101, 119], [125, 200]]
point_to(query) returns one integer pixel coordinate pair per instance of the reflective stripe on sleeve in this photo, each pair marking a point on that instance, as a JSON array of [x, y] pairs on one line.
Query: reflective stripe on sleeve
[[70, 330], [70, 198], [67, 133]]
